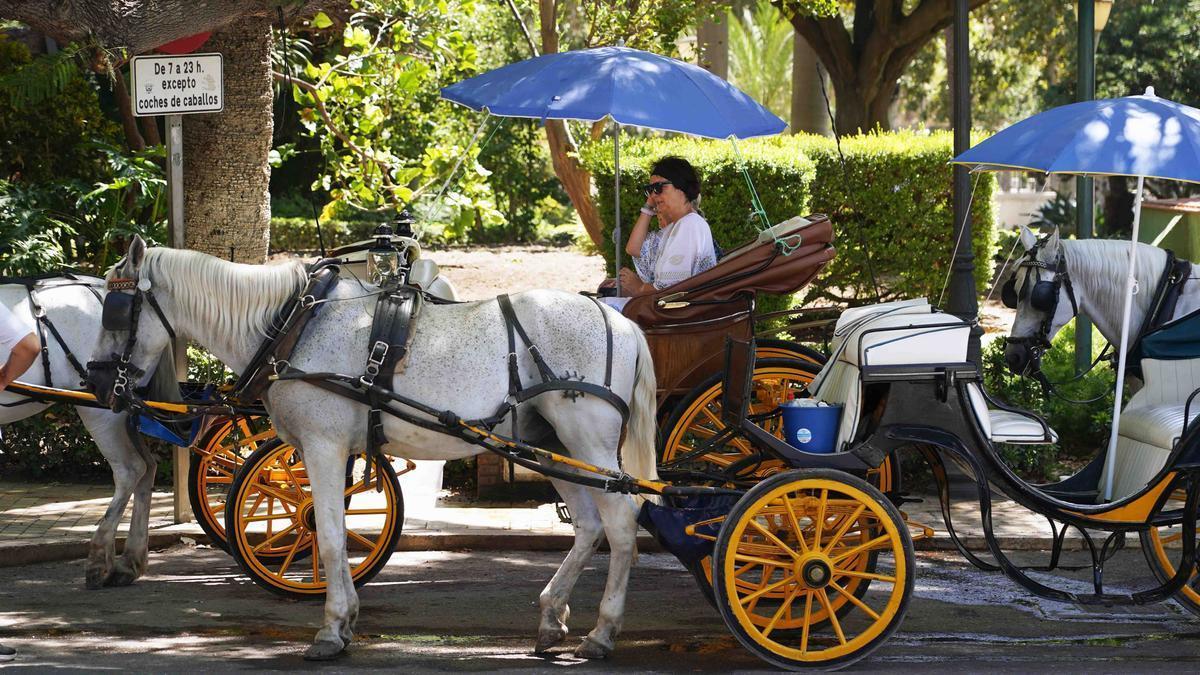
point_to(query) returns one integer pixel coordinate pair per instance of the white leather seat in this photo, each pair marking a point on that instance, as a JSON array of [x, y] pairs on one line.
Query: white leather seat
[[1152, 422], [914, 335], [1005, 426]]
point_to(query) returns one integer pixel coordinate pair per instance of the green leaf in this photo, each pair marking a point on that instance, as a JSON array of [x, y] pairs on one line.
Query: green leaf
[[321, 20]]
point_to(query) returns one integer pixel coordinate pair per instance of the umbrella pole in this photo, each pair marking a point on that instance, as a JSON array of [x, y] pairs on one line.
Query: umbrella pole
[[617, 201], [1130, 283]]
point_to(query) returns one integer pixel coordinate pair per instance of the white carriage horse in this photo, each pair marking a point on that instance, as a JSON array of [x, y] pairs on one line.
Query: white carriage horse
[[72, 306], [1068, 277], [457, 360]]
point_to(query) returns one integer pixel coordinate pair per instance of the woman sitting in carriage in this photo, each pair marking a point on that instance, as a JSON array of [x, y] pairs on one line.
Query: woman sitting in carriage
[[682, 246]]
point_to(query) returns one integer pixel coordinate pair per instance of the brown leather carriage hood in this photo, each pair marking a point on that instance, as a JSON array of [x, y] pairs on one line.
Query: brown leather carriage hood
[[755, 267]]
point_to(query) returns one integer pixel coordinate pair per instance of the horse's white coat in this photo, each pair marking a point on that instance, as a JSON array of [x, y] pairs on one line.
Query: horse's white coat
[[1097, 268], [75, 312], [457, 360]]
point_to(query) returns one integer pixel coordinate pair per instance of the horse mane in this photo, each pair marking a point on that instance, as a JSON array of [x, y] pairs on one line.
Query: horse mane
[[1096, 263], [235, 299]]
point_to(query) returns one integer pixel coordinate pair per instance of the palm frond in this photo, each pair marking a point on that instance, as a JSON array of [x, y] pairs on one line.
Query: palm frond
[[42, 78]]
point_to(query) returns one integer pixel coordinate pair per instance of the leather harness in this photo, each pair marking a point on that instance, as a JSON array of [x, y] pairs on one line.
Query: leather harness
[[43, 323]]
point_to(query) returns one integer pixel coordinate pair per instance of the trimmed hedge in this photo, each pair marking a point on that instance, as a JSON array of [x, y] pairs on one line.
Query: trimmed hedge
[[299, 235], [894, 197]]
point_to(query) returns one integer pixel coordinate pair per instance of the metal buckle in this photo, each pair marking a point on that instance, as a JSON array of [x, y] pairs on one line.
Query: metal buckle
[[308, 301]]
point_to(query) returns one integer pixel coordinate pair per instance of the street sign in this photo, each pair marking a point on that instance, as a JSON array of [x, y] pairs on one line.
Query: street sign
[[177, 85]]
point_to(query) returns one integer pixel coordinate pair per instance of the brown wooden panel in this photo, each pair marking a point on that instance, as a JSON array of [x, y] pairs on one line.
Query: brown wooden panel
[[687, 354]]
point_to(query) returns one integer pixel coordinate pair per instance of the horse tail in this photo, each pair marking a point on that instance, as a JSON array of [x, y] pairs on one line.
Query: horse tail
[[639, 455]]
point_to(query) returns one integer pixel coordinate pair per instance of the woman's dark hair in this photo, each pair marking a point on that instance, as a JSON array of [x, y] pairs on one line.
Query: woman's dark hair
[[680, 173]]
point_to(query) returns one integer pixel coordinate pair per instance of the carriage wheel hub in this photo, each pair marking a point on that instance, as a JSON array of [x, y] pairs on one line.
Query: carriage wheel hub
[[306, 515], [814, 571]]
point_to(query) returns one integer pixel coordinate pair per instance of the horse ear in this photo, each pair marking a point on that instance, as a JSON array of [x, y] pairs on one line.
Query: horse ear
[[1053, 240], [1028, 238], [137, 251]]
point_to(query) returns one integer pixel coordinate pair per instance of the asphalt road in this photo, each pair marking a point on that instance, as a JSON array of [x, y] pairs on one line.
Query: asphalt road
[[465, 611]]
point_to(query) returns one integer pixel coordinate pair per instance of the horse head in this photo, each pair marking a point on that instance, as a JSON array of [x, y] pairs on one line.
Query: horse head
[[1041, 291], [130, 344]]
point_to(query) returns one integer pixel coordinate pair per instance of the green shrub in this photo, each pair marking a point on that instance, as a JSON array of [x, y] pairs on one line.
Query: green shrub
[[1082, 429], [52, 139], [299, 235], [893, 197]]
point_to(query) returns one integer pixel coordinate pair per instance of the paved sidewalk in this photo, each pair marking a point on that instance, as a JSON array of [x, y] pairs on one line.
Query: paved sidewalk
[[41, 522]]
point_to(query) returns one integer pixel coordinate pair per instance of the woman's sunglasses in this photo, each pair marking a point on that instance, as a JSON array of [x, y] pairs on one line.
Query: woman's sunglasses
[[655, 188]]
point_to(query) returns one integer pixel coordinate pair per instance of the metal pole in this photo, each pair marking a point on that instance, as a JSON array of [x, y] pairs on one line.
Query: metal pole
[[1130, 283], [183, 510], [617, 202], [962, 301], [1084, 206]]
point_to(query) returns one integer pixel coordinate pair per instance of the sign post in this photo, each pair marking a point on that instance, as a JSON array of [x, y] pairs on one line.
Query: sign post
[[177, 85]]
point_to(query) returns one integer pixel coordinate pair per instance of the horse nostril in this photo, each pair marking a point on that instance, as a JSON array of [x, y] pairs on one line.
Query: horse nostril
[[1017, 358]]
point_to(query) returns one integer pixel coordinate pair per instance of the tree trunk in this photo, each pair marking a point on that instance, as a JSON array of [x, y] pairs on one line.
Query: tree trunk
[[575, 179], [865, 63], [712, 45], [227, 209], [809, 114]]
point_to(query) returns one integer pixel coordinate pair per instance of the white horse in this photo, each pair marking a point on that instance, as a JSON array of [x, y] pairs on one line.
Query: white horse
[[457, 360], [73, 306], [1096, 269]]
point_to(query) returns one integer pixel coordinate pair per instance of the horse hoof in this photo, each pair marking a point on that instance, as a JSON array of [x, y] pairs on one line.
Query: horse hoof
[[120, 577], [590, 649], [548, 638], [324, 650]]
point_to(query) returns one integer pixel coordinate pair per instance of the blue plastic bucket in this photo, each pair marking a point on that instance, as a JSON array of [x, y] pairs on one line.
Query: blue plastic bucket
[[812, 429]]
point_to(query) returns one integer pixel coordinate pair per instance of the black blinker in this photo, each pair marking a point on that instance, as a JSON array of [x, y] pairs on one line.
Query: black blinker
[[118, 311], [1008, 293], [1044, 297]]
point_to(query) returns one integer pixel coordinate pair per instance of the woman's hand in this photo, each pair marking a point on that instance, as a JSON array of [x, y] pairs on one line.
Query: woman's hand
[[632, 284]]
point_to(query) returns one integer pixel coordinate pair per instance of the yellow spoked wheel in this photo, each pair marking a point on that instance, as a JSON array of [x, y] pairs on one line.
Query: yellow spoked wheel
[[883, 478], [215, 459], [769, 348], [789, 547], [697, 418], [1163, 546], [270, 515]]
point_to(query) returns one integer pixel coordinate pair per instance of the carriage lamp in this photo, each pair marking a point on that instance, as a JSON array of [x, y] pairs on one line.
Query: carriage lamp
[[383, 259], [404, 224]]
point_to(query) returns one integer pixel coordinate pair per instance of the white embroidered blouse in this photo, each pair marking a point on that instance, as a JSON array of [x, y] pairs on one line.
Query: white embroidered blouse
[[678, 251]]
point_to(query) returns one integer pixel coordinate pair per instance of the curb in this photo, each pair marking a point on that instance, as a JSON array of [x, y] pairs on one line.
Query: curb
[[31, 551]]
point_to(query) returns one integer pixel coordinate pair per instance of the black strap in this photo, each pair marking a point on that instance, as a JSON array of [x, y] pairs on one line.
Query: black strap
[[608, 343], [39, 315], [388, 344], [510, 318]]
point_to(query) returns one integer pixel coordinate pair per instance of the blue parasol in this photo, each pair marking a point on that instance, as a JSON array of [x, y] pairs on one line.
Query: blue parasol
[[1138, 136], [630, 86]]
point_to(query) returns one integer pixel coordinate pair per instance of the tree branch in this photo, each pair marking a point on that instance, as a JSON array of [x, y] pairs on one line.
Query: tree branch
[[512, 8], [137, 27]]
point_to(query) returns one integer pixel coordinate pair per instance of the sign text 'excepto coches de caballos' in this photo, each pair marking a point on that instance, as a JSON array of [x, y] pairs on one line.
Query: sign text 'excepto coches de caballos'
[[177, 85]]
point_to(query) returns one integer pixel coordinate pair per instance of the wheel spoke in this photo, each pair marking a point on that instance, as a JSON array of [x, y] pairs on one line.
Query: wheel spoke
[[791, 511], [819, 523], [837, 536], [745, 557], [839, 572], [367, 512], [833, 620], [361, 539], [273, 538], [877, 541], [1178, 536], [807, 622], [784, 608], [281, 495], [747, 599], [774, 539], [287, 562], [857, 602]]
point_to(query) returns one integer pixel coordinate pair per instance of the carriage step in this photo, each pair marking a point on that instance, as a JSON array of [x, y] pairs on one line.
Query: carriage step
[[918, 530]]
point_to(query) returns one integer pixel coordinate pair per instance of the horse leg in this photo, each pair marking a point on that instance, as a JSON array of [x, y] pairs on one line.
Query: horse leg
[[326, 465], [128, 466], [132, 563], [585, 519], [619, 515]]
